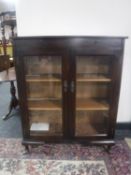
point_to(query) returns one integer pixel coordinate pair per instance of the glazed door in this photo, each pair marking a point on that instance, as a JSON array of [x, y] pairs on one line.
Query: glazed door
[[92, 96], [45, 92]]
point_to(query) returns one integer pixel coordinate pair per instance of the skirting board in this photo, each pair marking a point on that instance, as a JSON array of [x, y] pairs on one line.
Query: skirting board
[[123, 125]]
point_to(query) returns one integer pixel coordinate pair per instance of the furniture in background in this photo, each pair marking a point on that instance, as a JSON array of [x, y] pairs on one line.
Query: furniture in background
[[7, 19], [10, 76], [9, 50], [4, 62], [68, 88]]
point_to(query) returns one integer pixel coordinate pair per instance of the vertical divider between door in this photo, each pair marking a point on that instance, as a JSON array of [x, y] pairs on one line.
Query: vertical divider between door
[[65, 95], [72, 93]]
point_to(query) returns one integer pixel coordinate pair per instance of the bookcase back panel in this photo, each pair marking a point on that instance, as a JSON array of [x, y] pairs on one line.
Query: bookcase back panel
[[92, 90], [44, 90], [91, 66], [91, 123], [49, 66], [51, 120]]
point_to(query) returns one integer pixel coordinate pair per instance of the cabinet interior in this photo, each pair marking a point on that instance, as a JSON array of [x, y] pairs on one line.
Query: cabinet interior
[[44, 94], [93, 78]]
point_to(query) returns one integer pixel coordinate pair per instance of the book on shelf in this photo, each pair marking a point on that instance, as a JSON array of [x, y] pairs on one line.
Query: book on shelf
[[39, 127]]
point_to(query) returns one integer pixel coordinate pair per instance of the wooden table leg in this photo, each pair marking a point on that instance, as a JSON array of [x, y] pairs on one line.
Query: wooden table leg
[[13, 102]]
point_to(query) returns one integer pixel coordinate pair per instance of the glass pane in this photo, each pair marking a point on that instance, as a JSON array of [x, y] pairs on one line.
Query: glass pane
[[89, 122], [44, 93], [92, 95]]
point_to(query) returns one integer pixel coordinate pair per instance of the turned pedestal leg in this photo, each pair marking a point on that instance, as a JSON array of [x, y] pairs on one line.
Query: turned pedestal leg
[[13, 102]]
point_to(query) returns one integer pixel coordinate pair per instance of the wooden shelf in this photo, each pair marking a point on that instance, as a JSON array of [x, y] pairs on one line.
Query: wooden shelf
[[92, 130], [42, 133], [92, 78], [91, 104], [43, 105], [42, 79], [81, 105]]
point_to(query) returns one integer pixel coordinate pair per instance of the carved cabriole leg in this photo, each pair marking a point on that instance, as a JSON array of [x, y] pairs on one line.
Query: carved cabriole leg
[[107, 148], [27, 148]]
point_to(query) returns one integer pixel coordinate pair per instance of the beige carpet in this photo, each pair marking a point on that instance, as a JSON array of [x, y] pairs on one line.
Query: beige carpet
[[128, 141], [51, 167], [64, 159]]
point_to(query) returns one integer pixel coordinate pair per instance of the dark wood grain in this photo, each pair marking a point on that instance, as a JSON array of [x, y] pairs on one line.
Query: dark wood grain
[[69, 48]]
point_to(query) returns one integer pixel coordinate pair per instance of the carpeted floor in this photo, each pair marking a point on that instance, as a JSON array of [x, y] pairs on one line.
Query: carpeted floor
[[52, 167], [63, 159], [128, 141], [10, 128]]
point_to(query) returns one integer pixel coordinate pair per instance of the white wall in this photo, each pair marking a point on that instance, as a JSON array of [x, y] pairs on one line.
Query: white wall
[[82, 17], [7, 5]]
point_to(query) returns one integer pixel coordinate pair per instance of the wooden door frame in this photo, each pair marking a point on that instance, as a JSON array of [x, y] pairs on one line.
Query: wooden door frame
[[73, 56]]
